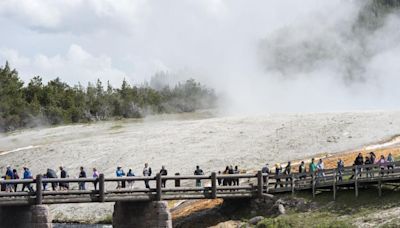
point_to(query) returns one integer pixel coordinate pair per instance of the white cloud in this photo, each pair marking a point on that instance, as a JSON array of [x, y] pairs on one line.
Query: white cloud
[[31, 13], [77, 65]]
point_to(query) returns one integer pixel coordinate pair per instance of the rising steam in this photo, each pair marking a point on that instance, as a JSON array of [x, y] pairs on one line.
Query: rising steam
[[346, 60]]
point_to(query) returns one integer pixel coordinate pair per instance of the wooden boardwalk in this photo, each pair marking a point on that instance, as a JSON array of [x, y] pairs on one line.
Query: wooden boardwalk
[[183, 187]]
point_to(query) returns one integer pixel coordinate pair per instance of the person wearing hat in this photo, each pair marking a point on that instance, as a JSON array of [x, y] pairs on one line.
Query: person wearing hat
[[278, 172]]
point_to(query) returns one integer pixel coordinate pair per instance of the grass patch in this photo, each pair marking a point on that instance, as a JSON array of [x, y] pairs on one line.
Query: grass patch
[[300, 220], [346, 202], [106, 220]]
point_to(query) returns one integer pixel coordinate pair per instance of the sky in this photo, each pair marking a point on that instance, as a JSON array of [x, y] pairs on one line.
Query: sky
[[260, 56]]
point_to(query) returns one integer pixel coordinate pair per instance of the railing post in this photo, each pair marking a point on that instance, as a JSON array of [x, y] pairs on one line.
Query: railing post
[[293, 183], [379, 184], [177, 181], [101, 188], [356, 181], [213, 185], [267, 183], [39, 189], [158, 187], [334, 184], [313, 184], [260, 184]]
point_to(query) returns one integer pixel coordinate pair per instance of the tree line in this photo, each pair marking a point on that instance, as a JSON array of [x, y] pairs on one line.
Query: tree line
[[57, 102]]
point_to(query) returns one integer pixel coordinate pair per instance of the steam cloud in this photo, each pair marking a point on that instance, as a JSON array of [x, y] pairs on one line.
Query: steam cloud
[[260, 56], [348, 59]]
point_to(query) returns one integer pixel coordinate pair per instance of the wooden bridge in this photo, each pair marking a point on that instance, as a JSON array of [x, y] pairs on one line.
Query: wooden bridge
[[257, 185]]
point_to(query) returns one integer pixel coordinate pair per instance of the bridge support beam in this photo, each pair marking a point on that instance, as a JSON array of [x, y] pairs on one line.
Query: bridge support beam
[[141, 214], [35, 216]]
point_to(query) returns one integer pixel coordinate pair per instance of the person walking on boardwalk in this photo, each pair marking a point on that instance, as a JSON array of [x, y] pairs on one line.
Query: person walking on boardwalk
[[390, 161], [198, 172], [52, 174], [63, 174], [372, 157], [382, 163], [368, 169], [219, 179], [119, 173], [225, 180], [302, 171], [16, 177], [278, 172], [163, 172], [265, 171], [27, 175], [9, 176], [82, 174], [359, 162], [231, 180], [147, 173], [236, 180], [340, 169], [130, 182], [313, 167], [288, 172], [96, 176], [321, 169]]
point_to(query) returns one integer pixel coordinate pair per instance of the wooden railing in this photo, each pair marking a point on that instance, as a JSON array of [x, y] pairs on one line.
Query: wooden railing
[[183, 187], [106, 189]]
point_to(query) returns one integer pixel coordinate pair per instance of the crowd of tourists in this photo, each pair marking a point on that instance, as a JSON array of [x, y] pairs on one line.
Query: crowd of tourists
[[12, 174], [315, 169]]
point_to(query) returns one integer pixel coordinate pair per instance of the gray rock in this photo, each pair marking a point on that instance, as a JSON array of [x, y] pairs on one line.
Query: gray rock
[[279, 201], [281, 209], [269, 196], [255, 220]]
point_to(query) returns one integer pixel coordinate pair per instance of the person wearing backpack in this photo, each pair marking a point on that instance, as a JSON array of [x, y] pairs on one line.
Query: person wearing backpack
[[302, 171], [9, 176]]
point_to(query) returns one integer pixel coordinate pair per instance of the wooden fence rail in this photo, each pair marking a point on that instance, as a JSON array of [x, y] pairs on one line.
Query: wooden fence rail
[[251, 186]]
